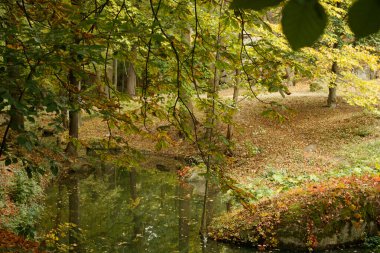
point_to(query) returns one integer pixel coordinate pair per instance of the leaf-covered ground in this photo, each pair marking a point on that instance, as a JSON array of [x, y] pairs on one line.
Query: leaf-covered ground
[[10, 242], [310, 141]]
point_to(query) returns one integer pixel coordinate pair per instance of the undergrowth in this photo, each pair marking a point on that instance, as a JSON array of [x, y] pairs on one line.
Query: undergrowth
[[362, 159], [372, 243], [23, 205]]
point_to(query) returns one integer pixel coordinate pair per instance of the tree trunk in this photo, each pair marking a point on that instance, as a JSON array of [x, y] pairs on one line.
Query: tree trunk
[[331, 100], [71, 148], [101, 89], [109, 81], [186, 109], [114, 67], [290, 76], [17, 119], [131, 80], [123, 78], [235, 101], [64, 112], [212, 95]]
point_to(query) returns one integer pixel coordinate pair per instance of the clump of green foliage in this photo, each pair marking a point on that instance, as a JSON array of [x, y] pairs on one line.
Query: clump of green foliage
[[25, 193], [252, 149], [316, 86], [361, 160], [57, 238], [372, 243], [364, 154]]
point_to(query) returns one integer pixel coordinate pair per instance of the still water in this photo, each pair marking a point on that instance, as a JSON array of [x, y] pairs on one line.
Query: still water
[[134, 211]]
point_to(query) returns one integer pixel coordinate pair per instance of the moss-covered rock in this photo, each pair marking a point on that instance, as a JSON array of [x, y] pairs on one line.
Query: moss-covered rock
[[334, 213]]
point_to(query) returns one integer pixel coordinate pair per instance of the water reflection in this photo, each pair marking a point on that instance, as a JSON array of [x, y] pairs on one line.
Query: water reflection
[[73, 195], [185, 192], [133, 211]]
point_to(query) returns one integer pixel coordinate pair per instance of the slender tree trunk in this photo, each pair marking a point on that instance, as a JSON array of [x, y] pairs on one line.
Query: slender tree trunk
[[71, 148], [212, 95], [290, 76], [235, 101], [17, 121], [229, 206], [331, 100], [101, 89], [109, 82], [131, 80], [210, 122], [115, 73], [187, 108], [123, 78], [64, 112]]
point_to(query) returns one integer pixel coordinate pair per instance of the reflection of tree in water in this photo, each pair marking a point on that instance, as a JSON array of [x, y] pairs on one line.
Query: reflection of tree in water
[[60, 204], [132, 211], [66, 213], [209, 212], [73, 192], [136, 220], [184, 213]]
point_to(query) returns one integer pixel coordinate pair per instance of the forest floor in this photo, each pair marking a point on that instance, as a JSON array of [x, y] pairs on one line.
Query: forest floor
[[312, 138]]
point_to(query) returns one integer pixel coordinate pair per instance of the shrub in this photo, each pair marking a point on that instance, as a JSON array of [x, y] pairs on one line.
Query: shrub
[[26, 194], [315, 86]]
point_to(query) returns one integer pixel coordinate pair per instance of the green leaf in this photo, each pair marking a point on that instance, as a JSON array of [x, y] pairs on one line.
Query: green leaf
[[254, 4], [21, 140], [8, 161], [51, 107], [278, 178], [53, 168], [28, 170], [303, 22], [25, 142], [364, 17], [31, 119]]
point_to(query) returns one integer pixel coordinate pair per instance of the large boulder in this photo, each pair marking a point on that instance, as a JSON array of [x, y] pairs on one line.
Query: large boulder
[[335, 213]]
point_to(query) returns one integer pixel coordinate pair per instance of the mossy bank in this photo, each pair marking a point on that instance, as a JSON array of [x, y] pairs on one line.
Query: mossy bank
[[330, 214]]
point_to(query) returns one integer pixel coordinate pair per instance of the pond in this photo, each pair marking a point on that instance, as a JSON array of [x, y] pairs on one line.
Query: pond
[[118, 210]]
